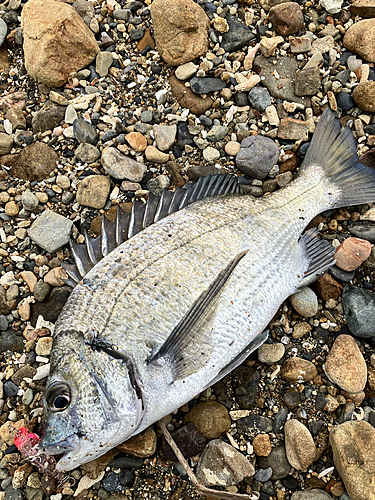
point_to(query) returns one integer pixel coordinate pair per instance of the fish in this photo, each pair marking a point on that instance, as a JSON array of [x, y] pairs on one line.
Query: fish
[[187, 295]]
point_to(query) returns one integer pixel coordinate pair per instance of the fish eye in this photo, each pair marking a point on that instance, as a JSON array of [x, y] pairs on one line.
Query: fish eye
[[58, 396]]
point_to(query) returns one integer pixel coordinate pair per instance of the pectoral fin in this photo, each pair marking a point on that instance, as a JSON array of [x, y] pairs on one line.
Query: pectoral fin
[[189, 346], [320, 255]]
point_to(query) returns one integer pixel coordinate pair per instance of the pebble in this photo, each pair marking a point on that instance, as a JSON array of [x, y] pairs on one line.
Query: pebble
[[121, 167], [41, 291], [186, 71], [87, 153], [345, 365], [103, 62], [312, 494], [35, 162], [211, 154], [189, 440], [50, 231], [260, 98], [353, 446], [262, 445], [299, 445], [305, 302], [292, 129], [237, 36], [359, 308], [142, 445], [258, 154], [232, 148], [93, 191], [165, 136], [3, 31], [56, 277], [364, 95], [157, 185], [345, 101], [298, 370], [286, 18], [222, 465], [359, 39], [206, 85], [277, 461], [271, 353], [263, 475], [188, 99], [84, 132], [29, 201], [136, 141], [328, 288], [156, 156], [307, 81], [44, 346], [210, 418]]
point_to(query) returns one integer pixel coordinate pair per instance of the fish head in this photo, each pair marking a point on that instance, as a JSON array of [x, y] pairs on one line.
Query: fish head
[[90, 404]]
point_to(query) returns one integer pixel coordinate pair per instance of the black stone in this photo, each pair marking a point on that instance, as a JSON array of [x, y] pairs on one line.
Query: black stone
[[269, 489], [136, 34], [359, 308], [189, 440], [254, 422], [10, 389], [237, 36], [126, 463], [320, 334], [11, 341], [339, 274], [207, 122], [206, 85], [108, 135], [246, 378], [111, 482], [210, 7], [50, 309], [343, 76], [127, 477], [280, 419], [315, 426], [183, 135], [345, 101], [290, 483], [321, 401]]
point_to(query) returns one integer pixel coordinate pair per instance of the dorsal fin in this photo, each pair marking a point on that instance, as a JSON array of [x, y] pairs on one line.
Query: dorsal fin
[[142, 215]]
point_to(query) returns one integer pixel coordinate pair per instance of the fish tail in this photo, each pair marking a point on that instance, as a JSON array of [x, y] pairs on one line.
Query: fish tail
[[335, 150]]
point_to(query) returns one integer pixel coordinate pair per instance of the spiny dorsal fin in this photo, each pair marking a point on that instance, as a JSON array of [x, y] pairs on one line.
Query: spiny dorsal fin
[[141, 216], [320, 254]]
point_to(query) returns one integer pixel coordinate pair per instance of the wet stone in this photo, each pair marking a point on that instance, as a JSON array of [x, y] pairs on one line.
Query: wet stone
[[222, 465], [246, 381], [263, 475], [359, 308], [280, 419], [111, 482], [84, 131], [339, 274], [51, 231], [141, 445], [189, 440], [258, 154]]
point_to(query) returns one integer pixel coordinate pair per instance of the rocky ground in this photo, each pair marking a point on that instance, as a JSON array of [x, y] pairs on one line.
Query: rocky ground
[[103, 102]]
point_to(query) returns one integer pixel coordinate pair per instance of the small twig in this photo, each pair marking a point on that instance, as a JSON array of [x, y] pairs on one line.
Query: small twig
[[201, 490]]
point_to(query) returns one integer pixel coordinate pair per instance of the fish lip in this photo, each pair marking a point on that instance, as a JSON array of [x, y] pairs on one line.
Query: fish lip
[[70, 444]]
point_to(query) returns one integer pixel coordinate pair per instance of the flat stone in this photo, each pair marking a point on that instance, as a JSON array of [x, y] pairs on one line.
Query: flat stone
[[291, 129], [186, 71], [6, 143], [260, 98], [48, 117], [188, 99], [87, 153], [363, 8], [189, 440], [206, 85], [271, 353], [345, 365], [84, 131], [136, 141], [104, 61], [299, 445], [35, 162], [328, 288], [56, 41], [298, 370], [307, 81], [50, 231], [331, 6], [353, 446], [142, 445], [165, 136], [359, 308], [56, 277], [258, 154], [180, 29], [121, 167], [287, 18], [210, 418], [254, 423], [158, 184], [16, 118], [282, 87], [93, 191], [313, 494], [360, 39], [222, 465], [156, 156], [323, 45], [364, 93], [299, 45], [217, 133], [277, 461], [237, 35], [305, 302], [352, 253]]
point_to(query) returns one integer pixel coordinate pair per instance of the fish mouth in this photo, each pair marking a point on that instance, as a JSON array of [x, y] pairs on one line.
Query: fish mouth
[[70, 444]]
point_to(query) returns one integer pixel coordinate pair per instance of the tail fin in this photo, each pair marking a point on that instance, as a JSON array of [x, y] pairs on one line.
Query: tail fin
[[336, 151]]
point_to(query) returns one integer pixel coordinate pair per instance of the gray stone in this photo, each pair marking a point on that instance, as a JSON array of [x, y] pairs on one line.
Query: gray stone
[[359, 308], [282, 87], [260, 98], [237, 36], [103, 63], [277, 461], [146, 116], [331, 6], [271, 353], [186, 71], [363, 229], [263, 475], [70, 114], [217, 133], [3, 31], [307, 81], [122, 14], [84, 131], [258, 154], [3, 323], [6, 143], [311, 495], [87, 153], [158, 184], [51, 231], [222, 465], [305, 302], [48, 117], [206, 85], [165, 136], [41, 290], [121, 167], [211, 154], [29, 201]]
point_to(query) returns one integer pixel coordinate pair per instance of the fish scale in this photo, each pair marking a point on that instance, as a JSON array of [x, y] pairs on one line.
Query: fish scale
[[184, 301]]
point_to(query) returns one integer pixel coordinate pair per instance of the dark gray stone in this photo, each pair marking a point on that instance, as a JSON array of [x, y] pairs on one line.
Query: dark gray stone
[[127, 463], [343, 76], [111, 482], [260, 98], [339, 274], [41, 290], [136, 34], [277, 461], [254, 422], [280, 419], [84, 132], [10, 389], [246, 381], [258, 154], [359, 308], [237, 36], [283, 87], [11, 341], [3, 323], [48, 117], [206, 85], [345, 101], [363, 229], [263, 475], [127, 477]]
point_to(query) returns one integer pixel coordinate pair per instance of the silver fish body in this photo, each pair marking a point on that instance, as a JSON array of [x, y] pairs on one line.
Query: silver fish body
[[180, 304]]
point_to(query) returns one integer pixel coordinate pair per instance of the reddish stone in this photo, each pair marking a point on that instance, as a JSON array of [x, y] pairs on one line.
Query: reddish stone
[[352, 253], [290, 164], [328, 288], [146, 40], [287, 18], [136, 141]]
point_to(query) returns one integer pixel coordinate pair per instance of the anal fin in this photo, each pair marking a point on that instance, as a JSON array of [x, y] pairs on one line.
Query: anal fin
[[189, 345], [320, 255]]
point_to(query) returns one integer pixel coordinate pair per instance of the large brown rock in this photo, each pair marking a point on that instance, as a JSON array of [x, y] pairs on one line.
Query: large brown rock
[[35, 162], [299, 444], [287, 18], [180, 29], [353, 446], [364, 94], [56, 41], [210, 418], [363, 8], [360, 39]]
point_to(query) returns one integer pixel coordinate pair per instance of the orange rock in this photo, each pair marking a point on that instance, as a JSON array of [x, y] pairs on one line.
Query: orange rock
[[136, 141], [352, 253], [262, 445], [146, 40], [328, 288]]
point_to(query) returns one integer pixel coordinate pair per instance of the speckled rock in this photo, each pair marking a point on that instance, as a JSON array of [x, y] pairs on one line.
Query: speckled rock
[[364, 94], [93, 191], [360, 39], [345, 365], [305, 302], [299, 445], [35, 162], [313, 494], [298, 370], [121, 167], [210, 418], [262, 445], [271, 353], [51, 231], [353, 446], [222, 465]]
